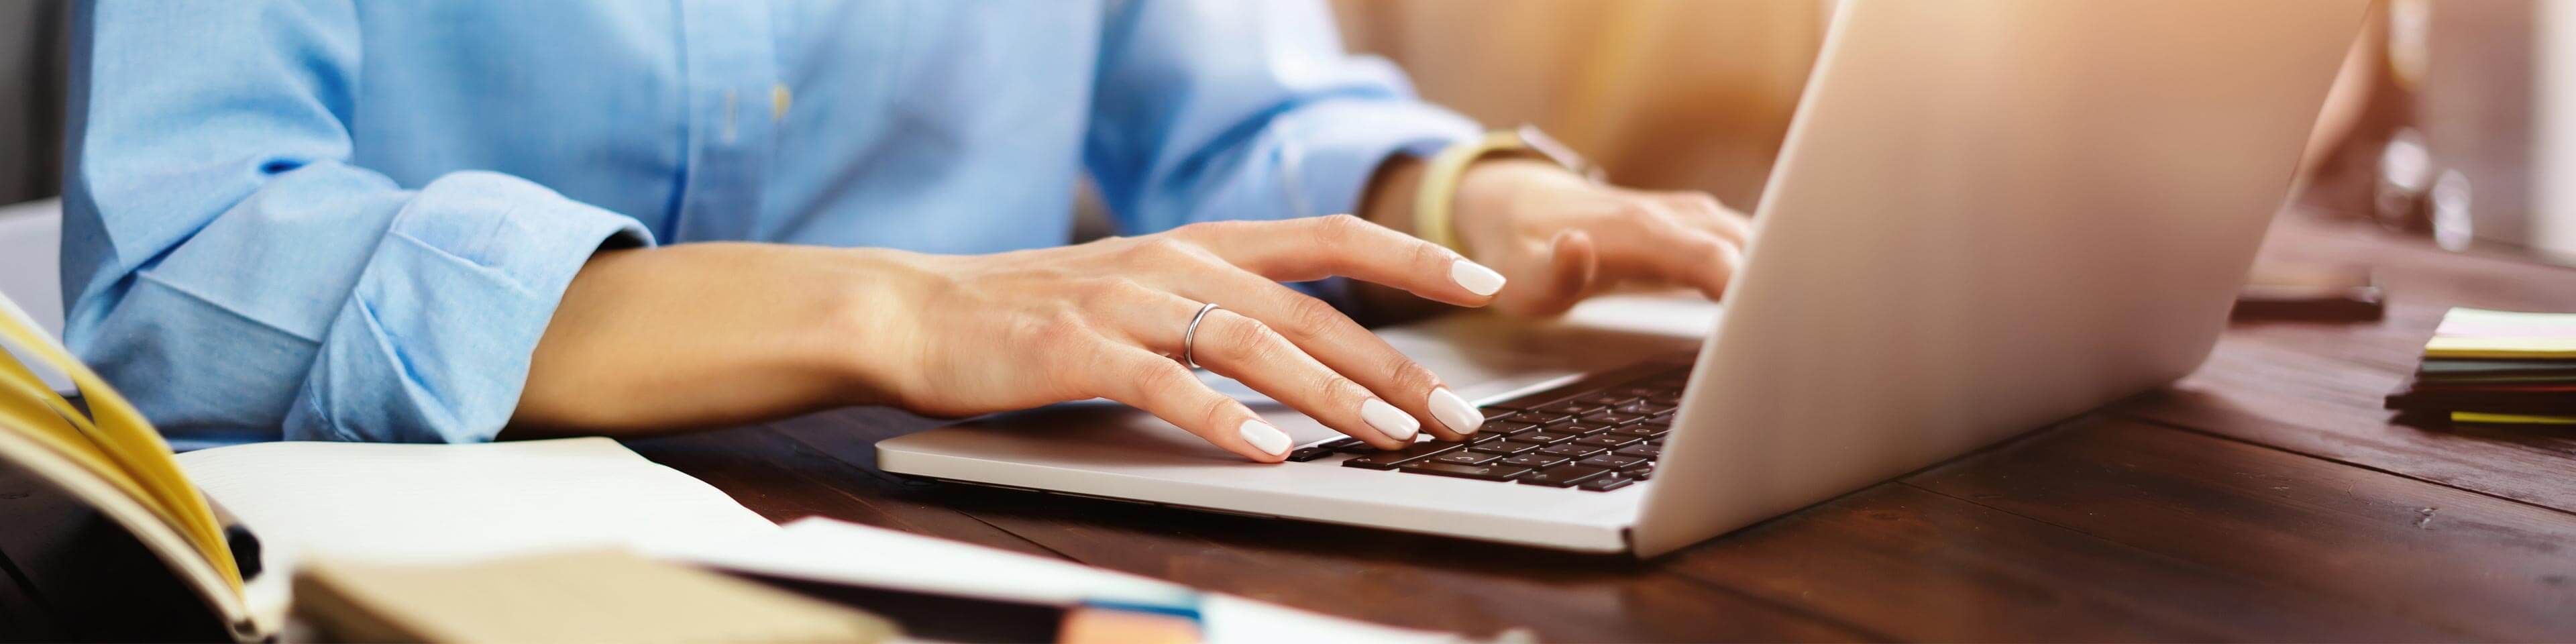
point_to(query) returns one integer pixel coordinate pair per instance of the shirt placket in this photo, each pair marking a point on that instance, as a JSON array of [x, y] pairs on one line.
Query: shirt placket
[[736, 101]]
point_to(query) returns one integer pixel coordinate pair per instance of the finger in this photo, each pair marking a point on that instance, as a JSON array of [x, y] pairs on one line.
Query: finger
[[1652, 243], [1297, 250], [1704, 212], [1572, 273], [1244, 349], [1699, 210], [1321, 334], [1141, 379]]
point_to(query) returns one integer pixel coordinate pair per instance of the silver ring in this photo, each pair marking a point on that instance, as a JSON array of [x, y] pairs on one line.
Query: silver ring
[[1190, 338]]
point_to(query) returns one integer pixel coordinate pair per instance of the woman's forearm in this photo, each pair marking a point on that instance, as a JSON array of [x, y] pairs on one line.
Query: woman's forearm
[[697, 335]]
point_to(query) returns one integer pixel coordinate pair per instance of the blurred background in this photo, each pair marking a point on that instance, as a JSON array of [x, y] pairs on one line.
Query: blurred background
[[2454, 119], [31, 126]]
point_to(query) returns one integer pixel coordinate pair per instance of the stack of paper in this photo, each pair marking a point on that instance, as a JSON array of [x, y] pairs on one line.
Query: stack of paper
[[828, 551], [2496, 367]]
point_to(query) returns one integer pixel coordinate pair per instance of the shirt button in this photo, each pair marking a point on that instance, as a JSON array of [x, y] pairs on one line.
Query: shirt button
[[778, 101]]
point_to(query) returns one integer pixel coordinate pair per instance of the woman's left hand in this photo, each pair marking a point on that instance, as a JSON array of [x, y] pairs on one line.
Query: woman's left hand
[[1560, 238]]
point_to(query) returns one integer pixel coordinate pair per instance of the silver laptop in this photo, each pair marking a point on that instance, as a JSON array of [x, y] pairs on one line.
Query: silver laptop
[[1988, 215]]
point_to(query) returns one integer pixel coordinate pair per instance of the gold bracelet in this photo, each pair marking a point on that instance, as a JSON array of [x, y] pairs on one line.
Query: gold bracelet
[[1433, 203]]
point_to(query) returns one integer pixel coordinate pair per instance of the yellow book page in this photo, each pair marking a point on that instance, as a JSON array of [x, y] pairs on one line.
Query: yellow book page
[[26, 403], [126, 438], [2510, 419], [2480, 347]]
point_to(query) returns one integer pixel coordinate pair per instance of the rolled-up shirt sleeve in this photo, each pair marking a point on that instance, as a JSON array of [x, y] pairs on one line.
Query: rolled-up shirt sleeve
[[1224, 109], [236, 276]]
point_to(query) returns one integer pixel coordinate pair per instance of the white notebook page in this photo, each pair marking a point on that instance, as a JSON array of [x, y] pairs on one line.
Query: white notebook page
[[432, 503]]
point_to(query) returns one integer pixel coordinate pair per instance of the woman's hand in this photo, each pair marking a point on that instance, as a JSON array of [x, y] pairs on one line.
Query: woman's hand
[[705, 334], [1560, 238], [1106, 319]]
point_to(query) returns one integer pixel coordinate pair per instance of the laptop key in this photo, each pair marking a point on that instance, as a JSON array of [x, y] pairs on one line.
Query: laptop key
[[1607, 481], [1610, 461], [1642, 431], [1573, 450], [1612, 418], [1581, 428], [1641, 450], [1608, 440], [1505, 428], [1479, 472], [1569, 408], [1534, 417], [1506, 448], [1544, 438], [1642, 472], [1536, 461], [1356, 447], [1467, 457], [1308, 454], [1606, 399], [1563, 475], [1643, 408], [1388, 460]]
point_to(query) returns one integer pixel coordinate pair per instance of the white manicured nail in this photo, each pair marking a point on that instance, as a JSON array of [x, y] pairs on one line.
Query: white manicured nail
[[1388, 420], [1475, 277], [1264, 437], [1455, 412]]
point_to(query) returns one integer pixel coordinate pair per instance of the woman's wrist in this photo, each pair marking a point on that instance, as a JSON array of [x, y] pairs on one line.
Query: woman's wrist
[[869, 332], [1487, 192]]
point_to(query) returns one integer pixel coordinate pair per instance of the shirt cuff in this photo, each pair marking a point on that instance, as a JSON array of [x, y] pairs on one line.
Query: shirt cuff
[[1335, 147], [433, 344]]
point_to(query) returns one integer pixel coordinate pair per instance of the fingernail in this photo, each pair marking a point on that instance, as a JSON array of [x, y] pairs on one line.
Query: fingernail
[[1264, 437], [1388, 420], [1455, 412], [1475, 277]]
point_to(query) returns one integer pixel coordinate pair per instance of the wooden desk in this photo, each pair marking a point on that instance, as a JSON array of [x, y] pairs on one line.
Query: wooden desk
[[2264, 498]]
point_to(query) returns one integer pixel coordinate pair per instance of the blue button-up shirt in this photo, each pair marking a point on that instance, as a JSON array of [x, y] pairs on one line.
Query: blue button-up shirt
[[336, 220]]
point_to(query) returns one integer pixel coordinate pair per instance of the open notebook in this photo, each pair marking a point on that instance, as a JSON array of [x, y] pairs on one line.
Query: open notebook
[[368, 502], [111, 459]]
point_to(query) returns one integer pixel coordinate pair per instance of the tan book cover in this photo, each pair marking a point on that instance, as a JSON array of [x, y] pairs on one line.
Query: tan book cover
[[575, 596]]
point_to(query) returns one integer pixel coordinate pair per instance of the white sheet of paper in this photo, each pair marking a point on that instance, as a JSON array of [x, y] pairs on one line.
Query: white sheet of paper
[[825, 550]]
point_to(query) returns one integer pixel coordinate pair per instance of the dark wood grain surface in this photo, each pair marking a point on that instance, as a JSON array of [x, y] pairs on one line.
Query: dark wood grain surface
[[2266, 497]]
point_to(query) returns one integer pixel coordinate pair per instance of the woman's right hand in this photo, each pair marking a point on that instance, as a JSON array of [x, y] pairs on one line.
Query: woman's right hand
[[975, 334]]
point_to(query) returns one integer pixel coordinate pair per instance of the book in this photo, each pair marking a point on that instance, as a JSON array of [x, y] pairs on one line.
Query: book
[[2495, 368], [2503, 335], [606, 595], [108, 457], [228, 525]]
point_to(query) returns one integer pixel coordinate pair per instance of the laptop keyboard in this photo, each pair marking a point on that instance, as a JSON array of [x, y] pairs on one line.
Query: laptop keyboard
[[1599, 434]]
